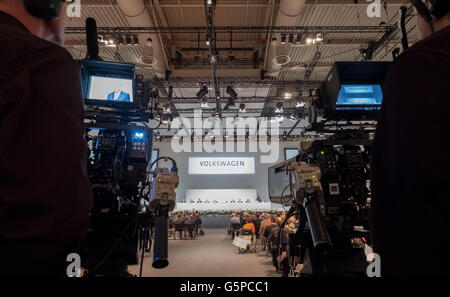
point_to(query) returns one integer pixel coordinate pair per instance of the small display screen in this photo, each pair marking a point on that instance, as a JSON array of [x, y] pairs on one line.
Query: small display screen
[[359, 97], [110, 89]]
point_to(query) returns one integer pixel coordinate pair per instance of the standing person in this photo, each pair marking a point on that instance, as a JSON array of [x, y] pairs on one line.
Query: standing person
[[199, 224], [410, 180], [257, 223], [45, 194], [234, 220]]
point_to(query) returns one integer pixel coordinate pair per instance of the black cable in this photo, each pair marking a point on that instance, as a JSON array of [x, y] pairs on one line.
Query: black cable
[[281, 198], [112, 248], [142, 254], [174, 163]]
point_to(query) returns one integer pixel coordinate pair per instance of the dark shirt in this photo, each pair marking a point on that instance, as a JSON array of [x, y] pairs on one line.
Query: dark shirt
[[410, 205], [190, 221], [45, 194]]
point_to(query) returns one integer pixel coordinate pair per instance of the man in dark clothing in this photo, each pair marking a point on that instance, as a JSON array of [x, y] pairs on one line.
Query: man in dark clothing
[[45, 194], [411, 161]]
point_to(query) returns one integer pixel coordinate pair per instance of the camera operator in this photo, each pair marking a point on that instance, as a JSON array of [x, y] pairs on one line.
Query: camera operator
[[45, 194], [411, 179]]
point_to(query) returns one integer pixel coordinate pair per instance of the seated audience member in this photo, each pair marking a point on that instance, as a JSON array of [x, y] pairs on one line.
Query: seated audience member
[[249, 225], [244, 217]]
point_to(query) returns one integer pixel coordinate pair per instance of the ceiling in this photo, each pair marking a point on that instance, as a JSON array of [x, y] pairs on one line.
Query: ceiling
[[248, 48]]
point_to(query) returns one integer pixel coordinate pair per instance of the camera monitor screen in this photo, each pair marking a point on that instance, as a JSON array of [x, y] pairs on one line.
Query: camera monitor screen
[[359, 97], [108, 84], [110, 89]]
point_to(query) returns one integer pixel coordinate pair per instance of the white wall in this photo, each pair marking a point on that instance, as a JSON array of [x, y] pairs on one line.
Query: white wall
[[258, 181]]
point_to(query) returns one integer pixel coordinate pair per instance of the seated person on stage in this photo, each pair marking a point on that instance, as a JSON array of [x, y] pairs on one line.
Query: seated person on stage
[[119, 95]]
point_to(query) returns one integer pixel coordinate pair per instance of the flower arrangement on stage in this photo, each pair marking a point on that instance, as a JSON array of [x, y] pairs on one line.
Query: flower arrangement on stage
[[227, 212]]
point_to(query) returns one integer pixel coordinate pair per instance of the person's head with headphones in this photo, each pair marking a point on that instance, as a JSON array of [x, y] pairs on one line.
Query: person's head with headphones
[[432, 15], [43, 18]]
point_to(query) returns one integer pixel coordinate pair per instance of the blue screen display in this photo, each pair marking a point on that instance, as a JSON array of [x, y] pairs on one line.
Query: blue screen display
[[138, 136], [359, 97]]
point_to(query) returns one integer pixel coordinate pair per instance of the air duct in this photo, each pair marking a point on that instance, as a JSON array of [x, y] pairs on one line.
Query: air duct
[[137, 15], [287, 15]]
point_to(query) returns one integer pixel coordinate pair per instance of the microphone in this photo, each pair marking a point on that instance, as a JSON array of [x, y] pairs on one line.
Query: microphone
[[92, 39], [161, 242]]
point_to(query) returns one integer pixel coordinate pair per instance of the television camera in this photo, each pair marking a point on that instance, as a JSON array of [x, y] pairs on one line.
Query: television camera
[[328, 194], [131, 202]]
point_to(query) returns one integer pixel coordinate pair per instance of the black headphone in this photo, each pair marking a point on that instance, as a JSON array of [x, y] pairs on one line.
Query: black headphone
[[44, 9], [423, 10], [439, 9]]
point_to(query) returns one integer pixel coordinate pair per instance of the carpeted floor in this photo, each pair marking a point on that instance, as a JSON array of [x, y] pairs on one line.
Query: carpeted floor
[[211, 255]]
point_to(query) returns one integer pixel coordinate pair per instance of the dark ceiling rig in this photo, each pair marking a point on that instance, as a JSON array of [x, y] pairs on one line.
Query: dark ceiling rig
[[210, 6], [238, 29]]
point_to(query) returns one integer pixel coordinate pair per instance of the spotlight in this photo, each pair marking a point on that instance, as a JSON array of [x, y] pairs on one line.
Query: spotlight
[[274, 42], [204, 103], [120, 40], [291, 38], [310, 40], [300, 104], [202, 93], [128, 40], [242, 107], [279, 108], [166, 109], [319, 37], [136, 40], [149, 42], [299, 38], [231, 60], [287, 95], [280, 118], [111, 42], [208, 41], [283, 39], [101, 39]]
